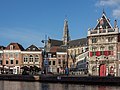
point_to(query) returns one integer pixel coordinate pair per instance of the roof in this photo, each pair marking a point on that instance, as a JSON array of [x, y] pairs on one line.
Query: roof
[[103, 22], [15, 46], [32, 48], [78, 42], [57, 49], [2, 47], [55, 42]]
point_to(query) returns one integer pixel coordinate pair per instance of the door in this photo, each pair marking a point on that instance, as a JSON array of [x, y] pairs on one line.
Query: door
[[102, 69]]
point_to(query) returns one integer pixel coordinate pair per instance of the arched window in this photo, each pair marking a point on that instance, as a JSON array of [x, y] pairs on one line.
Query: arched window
[[30, 58], [36, 58], [17, 62]]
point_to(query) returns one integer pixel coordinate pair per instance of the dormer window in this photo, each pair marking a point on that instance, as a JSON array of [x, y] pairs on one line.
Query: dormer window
[[11, 47], [33, 48]]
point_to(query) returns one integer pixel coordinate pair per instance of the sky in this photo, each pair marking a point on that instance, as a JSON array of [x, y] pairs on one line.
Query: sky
[[28, 21]]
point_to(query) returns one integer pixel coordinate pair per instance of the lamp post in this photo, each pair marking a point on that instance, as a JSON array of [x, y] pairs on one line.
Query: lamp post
[[66, 63], [97, 65], [107, 64], [45, 61]]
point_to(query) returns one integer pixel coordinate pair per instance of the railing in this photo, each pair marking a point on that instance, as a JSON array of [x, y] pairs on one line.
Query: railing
[[102, 31]]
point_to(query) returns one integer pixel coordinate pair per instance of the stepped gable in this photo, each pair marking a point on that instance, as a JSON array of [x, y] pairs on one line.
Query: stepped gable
[[54, 42], [15, 46], [32, 48], [103, 23], [78, 42]]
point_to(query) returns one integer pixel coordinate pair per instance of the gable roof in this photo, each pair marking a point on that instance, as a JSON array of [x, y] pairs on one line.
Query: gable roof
[[16, 46], [32, 48], [103, 22], [78, 42]]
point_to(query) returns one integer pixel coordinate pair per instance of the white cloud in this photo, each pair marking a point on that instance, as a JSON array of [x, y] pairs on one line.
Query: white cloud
[[116, 13], [108, 3], [111, 3]]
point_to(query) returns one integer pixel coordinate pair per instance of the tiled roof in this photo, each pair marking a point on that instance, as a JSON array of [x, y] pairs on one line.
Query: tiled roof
[[16, 46], [57, 49], [55, 42], [32, 48], [78, 42]]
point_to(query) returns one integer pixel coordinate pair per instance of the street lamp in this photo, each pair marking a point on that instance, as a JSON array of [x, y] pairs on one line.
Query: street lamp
[[45, 61], [97, 65], [107, 63]]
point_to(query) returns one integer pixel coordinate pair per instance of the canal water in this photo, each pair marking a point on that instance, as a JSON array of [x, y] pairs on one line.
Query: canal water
[[15, 85]]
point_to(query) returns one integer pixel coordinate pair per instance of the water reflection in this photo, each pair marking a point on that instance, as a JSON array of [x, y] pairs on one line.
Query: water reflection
[[15, 85]]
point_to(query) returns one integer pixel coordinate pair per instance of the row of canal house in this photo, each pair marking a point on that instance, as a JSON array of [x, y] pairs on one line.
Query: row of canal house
[[98, 54], [14, 56]]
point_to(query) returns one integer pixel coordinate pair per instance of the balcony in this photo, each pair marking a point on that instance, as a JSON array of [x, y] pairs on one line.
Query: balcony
[[92, 32]]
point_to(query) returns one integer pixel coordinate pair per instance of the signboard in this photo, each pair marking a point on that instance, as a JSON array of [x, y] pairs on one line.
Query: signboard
[[46, 62]]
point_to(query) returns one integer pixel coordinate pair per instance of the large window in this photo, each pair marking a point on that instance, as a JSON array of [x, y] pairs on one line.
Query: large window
[[53, 62], [25, 59], [11, 61], [16, 61], [36, 58], [16, 55], [49, 62], [94, 40], [7, 62], [110, 39], [59, 61], [31, 58], [110, 47], [0, 62], [11, 55], [0, 55]]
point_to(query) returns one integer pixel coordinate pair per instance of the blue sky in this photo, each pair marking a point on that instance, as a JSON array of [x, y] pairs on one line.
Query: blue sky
[[28, 21]]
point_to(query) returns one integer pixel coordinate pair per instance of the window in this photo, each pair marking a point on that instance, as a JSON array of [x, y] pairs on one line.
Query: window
[[25, 59], [110, 47], [102, 48], [33, 48], [36, 58], [59, 61], [101, 52], [11, 61], [94, 40], [94, 53], [11, 47], [53, 62], [49, 62], [49, 55], [110, 39], [7, 62], [0, 62], [11, 55], [16, 55], [16, 61], [6, 55], [0, 55], [31, 58], [94, 48]]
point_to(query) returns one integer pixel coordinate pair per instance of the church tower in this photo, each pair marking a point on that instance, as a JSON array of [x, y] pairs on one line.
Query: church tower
[[66, 36]]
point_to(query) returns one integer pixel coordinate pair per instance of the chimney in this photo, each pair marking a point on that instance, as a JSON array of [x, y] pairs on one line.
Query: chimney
[[115, 23]]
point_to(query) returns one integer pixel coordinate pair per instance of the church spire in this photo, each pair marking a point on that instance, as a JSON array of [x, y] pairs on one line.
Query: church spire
[[66, 36]]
